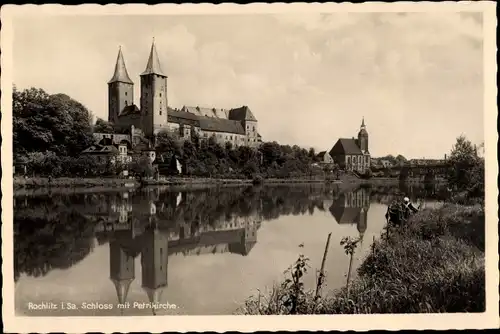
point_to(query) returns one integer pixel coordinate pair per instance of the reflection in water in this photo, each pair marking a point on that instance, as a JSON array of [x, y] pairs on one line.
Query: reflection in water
[[57, 232]]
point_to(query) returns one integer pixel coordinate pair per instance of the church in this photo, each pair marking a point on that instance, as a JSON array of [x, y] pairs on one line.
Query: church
[[352, 154], [238, 125]]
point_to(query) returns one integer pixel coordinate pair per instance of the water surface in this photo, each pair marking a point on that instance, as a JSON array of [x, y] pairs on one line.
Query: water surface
[[204, 251]]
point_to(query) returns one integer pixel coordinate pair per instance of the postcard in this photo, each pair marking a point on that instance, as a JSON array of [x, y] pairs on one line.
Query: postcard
[[204, 167]]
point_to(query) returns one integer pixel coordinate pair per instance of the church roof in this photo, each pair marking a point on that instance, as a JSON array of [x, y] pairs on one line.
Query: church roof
[[121, 74], [345, 146], [242, 114], [345, 215], [153, 66], [221, 125]]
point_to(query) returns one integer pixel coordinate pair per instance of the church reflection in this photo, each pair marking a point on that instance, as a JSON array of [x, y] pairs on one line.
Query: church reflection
[[156, 227], [352, 208]]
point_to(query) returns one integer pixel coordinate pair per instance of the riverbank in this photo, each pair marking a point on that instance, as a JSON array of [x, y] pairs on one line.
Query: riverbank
[[434, 265], [75, 182]]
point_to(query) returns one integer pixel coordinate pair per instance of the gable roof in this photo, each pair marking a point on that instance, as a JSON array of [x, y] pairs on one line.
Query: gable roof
[[242, 114], [101, 149], [321, 154], [345, 146], [221, 125], [131, 109], [345, 215]]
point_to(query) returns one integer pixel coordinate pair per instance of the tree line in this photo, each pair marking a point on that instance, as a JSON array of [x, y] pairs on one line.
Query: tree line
[[51, 131]]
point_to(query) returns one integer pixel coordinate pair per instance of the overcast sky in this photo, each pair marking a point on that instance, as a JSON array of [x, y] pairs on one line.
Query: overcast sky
[[309, 79]]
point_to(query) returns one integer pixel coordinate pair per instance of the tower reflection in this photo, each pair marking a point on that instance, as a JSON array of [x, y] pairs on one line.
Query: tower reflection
[[156, 227]]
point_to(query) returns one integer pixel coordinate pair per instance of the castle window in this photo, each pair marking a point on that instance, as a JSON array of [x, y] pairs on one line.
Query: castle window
[[160, 94], [348, 160], [125, 93]]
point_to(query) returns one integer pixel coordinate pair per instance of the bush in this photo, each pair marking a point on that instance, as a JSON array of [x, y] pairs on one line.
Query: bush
[[434, 264]]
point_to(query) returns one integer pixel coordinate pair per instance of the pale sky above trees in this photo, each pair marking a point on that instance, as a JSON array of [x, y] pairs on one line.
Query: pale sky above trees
[[309, 79]]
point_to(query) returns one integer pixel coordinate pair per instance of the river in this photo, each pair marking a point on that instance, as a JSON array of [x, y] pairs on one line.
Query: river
[[197, 252]]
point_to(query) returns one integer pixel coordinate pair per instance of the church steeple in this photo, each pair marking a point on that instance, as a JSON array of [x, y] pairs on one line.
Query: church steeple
[[363, 138], [121, 74], [153, 66]]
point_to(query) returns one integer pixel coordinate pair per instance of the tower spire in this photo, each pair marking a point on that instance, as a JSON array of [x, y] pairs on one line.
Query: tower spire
[[121, 74], [363, 122], [153, 66]]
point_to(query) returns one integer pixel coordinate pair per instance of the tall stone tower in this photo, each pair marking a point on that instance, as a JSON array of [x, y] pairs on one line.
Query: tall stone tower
[[363, 138], [120, 89], [153, 95]]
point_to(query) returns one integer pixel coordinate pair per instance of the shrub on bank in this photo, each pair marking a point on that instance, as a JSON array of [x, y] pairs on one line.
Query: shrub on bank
[[434, 264]]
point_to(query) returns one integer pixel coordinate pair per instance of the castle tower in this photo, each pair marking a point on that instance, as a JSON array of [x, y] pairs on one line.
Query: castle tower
[[121, 266], [153, 95], [363, 138], [154, 262], [120, 89]]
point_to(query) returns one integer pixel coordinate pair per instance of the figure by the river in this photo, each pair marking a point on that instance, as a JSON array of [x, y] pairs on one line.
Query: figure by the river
[[398, 212]]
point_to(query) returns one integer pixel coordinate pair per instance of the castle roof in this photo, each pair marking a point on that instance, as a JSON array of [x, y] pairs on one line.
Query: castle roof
[[345, 146], [207, 112], [121, 74], [242, 114], [242, 248], [183, 114], [221, 125], [122, 287], [153, 66], [129, 110]]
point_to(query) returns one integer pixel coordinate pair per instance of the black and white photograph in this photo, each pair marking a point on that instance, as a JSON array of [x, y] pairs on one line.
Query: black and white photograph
[[247, 162]]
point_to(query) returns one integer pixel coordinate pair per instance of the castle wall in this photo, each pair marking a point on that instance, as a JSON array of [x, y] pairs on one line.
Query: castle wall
[[126, 121]]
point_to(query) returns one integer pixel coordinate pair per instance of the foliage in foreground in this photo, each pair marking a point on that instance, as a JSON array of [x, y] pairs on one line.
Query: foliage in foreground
[[435, 264]]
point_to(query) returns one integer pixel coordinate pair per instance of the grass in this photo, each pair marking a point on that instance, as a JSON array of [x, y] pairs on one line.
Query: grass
[[434, 264]]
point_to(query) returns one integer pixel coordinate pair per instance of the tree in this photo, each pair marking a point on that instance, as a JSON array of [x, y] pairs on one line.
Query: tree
[[466, 171], [101, 126], [142, 166], [43, 122]]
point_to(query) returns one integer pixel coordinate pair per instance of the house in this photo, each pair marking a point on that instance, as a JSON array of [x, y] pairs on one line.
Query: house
[[325, 158], [105, 153]]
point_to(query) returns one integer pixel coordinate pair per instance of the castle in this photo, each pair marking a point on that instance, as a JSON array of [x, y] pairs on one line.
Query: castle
[[237, 126]]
